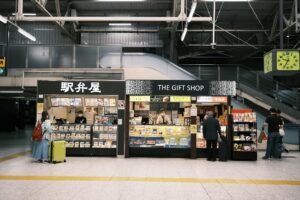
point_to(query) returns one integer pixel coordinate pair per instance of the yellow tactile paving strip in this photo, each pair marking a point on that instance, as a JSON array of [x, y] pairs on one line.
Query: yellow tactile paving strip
[[9, 157], [150, 179], [140, 179]]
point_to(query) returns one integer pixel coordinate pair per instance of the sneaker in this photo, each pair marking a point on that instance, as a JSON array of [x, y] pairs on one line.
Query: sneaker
[[266, 158], [286, 150]]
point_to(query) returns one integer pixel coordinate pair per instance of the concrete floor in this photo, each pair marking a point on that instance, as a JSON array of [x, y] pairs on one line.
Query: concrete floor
[[143, 178]]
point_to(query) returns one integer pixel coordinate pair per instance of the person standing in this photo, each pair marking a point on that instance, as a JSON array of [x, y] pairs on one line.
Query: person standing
[[41, 150], [273, 121], [211, 129], [281, 145]]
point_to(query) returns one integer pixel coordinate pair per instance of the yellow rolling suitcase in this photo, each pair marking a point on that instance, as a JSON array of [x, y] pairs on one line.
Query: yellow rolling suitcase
[[57, 151]]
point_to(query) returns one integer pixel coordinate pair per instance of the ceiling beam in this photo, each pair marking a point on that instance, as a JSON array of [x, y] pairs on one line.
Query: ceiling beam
[[46, 12]]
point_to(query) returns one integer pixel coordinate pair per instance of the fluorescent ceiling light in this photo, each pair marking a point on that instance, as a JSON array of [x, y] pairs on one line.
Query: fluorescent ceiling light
[[228, 0], [26, 34], [26, 14], [12, 92], [119, 24], [3, 19], [194, 5], [184, 33]]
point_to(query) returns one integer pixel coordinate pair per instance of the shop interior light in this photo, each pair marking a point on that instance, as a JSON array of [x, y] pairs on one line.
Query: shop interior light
[[26, 14], [3, 19], [26, 34], [119, 24], [194, 5], [11, 91], [183, 33]]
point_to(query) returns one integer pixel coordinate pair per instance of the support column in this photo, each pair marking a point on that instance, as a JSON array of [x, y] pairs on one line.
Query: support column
[[281, 23], [20, 8], [297, 18], [213, 44]]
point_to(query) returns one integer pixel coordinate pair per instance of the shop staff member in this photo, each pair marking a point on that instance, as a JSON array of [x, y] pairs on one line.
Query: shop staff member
[[80, 119], [162, 118], [211, 129]]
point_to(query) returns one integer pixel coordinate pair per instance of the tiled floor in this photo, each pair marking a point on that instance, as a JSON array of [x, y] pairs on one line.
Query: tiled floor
[[148, 178]]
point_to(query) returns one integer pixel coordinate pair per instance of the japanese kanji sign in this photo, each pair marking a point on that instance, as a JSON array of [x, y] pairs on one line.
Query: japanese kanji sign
[[80, 87]]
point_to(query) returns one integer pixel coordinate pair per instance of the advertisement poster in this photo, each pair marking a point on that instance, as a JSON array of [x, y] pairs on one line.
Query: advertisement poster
[[121, 104], [194, 111], [193, 128], [40, 107]]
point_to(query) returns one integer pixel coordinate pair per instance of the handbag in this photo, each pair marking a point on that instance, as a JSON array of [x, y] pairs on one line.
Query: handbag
[[281, 132], [262, 136]]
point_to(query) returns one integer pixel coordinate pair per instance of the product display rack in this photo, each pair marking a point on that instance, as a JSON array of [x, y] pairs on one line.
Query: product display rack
[[244, 135], [81, 139], [153, 136]]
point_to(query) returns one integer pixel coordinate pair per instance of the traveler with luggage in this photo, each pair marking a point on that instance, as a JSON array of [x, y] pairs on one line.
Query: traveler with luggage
[[40, 152], [273, 121], [211, 129]]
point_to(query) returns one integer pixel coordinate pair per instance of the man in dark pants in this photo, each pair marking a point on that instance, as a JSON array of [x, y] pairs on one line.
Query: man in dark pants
[[211, 128], [273, 122]]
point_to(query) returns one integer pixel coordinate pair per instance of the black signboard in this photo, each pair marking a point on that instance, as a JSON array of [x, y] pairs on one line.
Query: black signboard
[[197, 88], [82, 87]]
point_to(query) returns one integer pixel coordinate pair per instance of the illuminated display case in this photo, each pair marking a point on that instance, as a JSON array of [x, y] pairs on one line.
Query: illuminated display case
[[104, 136], [244, 136]]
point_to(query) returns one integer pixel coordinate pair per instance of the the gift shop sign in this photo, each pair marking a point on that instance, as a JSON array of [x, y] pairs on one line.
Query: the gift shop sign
[[185, 88]]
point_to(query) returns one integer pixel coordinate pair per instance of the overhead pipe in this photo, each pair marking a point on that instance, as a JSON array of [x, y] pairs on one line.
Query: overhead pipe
[[223, 30], [111, 19], [100, 30]]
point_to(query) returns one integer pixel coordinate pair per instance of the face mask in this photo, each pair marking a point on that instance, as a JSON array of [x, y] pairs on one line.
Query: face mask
[[80, 115]]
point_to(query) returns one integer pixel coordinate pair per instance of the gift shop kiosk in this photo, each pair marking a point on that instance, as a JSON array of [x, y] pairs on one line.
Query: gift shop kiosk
[[163, 118], [102, 105]]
